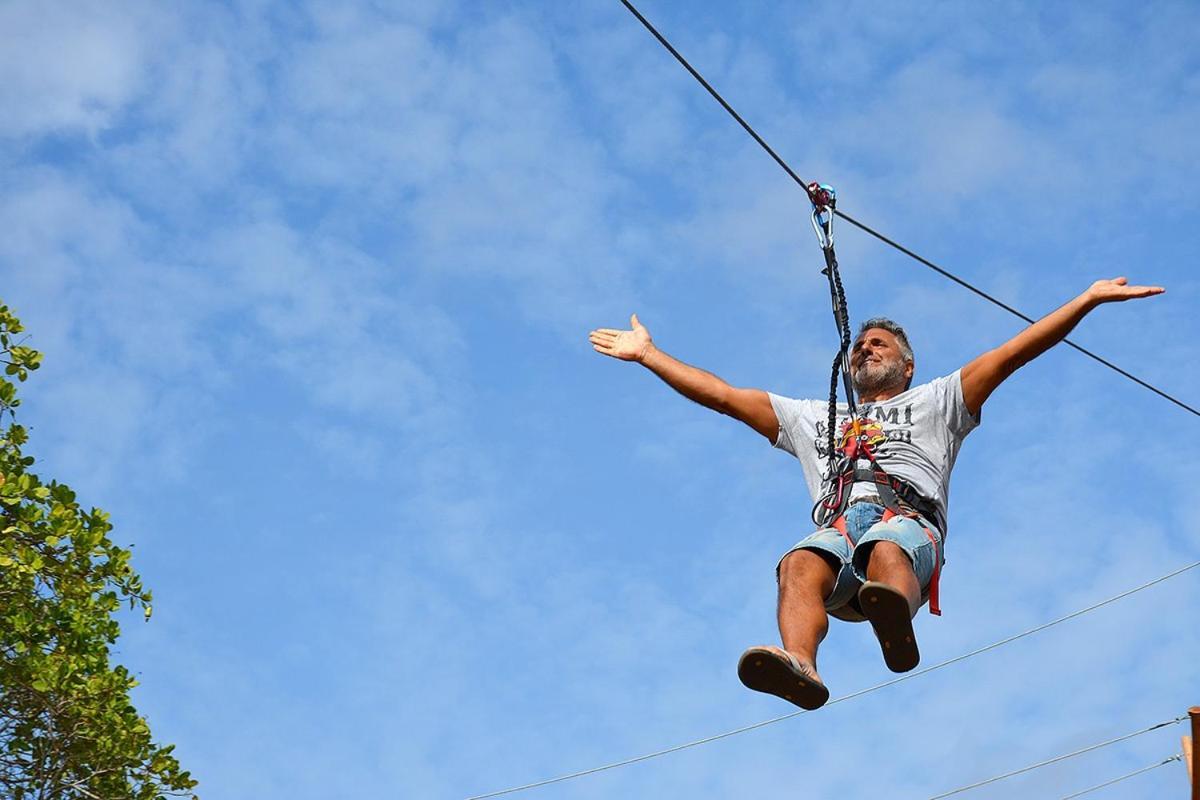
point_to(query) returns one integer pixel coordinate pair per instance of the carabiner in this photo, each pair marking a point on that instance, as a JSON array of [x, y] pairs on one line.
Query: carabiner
[[824, 199]]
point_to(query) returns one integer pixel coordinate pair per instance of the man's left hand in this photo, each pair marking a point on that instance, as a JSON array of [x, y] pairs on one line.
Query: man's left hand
[[1116, 290]]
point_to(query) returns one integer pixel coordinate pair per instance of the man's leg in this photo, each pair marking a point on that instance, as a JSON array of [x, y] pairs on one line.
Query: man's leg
[[895, 557], [888, 563], [806, 578]]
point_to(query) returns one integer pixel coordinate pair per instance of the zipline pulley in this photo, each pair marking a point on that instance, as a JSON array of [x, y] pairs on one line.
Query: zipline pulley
[[824, 200]]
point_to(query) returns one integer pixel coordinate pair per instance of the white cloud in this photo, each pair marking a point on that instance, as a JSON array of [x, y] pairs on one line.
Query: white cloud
[[72, 67]]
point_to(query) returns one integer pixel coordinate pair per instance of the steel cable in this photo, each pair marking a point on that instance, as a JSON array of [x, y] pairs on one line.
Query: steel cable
[[1057, 759], [1126, 776]]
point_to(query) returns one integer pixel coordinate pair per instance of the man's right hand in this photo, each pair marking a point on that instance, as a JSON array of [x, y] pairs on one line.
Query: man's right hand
[[751, 406], [631, 345]]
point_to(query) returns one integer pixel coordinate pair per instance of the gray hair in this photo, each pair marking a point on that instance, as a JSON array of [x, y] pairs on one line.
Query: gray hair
[[883, 323]]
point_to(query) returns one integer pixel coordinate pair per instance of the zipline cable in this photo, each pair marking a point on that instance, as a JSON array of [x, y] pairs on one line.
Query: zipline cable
[[791, 173], [1126, 776], [844, 698], [1063, 757]]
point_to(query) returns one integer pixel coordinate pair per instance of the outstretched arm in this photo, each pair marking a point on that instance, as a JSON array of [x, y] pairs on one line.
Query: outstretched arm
[[981, 377], [751, 406]]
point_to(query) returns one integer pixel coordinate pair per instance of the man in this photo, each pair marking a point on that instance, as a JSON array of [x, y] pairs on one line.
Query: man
[[874, 565]]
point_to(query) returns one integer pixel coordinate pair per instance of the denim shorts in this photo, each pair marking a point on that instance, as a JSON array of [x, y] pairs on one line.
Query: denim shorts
[[863, 525]]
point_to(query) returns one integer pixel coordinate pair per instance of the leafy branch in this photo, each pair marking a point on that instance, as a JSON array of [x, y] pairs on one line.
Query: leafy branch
[[68, 729]]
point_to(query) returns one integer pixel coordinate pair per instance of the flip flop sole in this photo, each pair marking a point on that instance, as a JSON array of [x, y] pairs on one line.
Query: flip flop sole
[[766, 671], [887, 611]]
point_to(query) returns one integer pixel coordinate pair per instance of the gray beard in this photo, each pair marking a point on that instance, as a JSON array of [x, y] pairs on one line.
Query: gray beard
[[875, 378]]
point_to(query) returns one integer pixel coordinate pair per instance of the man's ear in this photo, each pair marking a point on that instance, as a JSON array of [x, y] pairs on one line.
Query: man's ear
[[909, 368]]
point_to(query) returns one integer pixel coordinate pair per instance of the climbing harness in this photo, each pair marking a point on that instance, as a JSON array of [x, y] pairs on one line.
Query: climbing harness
[[860, 436]]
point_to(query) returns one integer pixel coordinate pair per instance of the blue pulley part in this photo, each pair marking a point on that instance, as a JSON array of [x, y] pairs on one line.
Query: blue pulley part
[[824, 200]]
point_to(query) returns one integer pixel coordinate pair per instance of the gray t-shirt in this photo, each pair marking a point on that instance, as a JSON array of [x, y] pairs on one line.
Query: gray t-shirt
[[917, 435]]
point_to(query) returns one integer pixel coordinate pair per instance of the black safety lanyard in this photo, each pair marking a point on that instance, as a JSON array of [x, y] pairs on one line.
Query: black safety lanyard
[[824, 200]]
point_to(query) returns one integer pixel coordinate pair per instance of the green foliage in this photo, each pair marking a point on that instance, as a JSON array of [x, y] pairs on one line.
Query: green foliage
[[68, 730]]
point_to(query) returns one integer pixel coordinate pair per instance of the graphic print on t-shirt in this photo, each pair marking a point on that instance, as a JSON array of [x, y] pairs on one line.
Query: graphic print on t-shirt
[[898, 418], [867, 431]]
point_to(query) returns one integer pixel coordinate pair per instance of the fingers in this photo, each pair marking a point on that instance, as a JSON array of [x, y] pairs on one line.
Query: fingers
[[600, 337], [633, 321], [1124, 282], [603, 343], [1134, 292], [1141, 291]]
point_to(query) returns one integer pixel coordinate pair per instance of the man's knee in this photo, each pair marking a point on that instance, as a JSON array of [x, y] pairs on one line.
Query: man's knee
[[886, 554], [808, 568]]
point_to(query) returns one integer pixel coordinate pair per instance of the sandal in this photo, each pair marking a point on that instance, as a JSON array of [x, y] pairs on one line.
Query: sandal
[[778, 672], [888, 612]]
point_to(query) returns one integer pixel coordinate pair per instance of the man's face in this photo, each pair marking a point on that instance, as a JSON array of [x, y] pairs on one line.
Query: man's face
[[877, 364]]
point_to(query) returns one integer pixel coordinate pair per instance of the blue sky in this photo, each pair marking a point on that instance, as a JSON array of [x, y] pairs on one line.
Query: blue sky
[[314, 281]]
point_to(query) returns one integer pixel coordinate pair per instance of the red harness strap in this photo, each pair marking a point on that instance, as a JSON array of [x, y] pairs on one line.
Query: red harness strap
[[935, 607]]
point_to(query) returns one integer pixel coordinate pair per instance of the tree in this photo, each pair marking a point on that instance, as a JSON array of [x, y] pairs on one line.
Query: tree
[[68, 730]]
